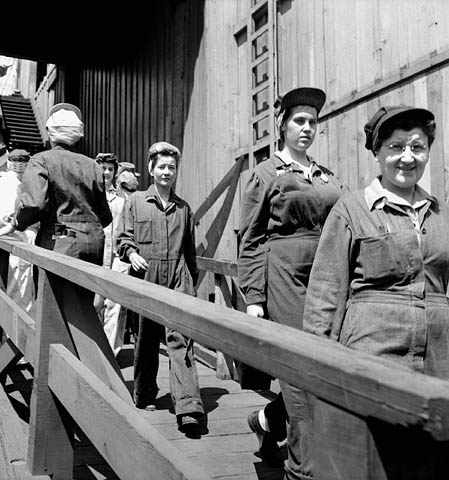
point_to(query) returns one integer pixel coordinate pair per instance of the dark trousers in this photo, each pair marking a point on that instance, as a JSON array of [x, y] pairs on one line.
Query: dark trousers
[[183, 376], [277, 417]]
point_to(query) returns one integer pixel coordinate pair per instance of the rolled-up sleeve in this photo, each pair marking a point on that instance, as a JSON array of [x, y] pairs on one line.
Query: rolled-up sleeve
[[329, 282], [255, 212]]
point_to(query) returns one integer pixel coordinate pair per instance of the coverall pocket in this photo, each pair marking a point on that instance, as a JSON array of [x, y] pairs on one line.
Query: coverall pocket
[[143, 231], [380, 257]]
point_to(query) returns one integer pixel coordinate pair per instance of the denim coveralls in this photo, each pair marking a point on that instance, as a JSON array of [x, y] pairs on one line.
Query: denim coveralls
[[165, 238], [64, 191], [380, 278], [283, 211]]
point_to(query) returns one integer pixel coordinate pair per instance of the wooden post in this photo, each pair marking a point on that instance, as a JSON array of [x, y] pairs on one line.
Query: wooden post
[[352, 447], [225, 363], [49, 449]]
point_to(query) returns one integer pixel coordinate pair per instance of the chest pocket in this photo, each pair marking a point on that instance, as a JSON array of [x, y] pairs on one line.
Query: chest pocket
[[143, 231], [380, 257]]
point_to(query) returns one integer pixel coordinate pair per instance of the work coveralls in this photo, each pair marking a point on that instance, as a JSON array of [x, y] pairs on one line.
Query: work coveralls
[[165, 238], [64, 191], [283, 212], [380, 278]]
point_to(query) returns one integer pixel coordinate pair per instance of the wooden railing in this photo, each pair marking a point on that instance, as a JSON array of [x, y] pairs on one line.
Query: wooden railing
[[43, 100], [75, 368]]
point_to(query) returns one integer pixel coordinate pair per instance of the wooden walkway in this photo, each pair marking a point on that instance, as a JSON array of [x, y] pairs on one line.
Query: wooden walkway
[[225, 447]]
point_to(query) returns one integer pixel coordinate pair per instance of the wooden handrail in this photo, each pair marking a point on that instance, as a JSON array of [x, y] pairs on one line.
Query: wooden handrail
[[346, 385], [359, 382]]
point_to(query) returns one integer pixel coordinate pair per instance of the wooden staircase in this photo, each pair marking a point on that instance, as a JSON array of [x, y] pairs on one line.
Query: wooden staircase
[[20, 126]]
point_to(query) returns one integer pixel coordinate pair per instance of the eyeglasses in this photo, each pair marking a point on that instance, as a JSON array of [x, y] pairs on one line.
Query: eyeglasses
[[399, 148]]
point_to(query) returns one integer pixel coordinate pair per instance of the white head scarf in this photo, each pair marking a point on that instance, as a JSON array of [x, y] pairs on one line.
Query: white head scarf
[[64, 126]]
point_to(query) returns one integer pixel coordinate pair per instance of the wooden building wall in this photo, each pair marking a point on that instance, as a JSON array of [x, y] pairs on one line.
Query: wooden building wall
[[366, 54], [192, 82]]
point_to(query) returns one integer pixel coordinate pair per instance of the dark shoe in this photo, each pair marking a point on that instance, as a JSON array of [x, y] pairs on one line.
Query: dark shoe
[[148, 406], [268, 447], [187, 423]]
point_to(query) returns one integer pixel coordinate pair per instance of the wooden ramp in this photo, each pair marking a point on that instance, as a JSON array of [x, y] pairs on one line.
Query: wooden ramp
[[225, 447]]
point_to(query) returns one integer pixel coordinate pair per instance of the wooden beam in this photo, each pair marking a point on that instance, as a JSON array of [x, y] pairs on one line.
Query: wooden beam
[[132, 447], [9, 355], [13, 440], [359, 382], [49, 445], [218, 190], [18, 325], [217, 227], [217, 266], [404, 75]]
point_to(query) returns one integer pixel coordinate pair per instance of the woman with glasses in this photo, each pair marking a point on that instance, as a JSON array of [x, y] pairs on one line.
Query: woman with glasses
[[381, 271]]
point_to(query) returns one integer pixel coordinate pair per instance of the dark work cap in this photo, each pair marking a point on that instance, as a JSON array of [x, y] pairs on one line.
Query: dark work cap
[[65, 106], [302, 96], [127, 167], [19, 155], [388, 115], [163, 147]]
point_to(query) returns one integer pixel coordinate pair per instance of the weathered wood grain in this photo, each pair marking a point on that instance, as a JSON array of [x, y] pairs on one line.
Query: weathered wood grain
[[114, 427]]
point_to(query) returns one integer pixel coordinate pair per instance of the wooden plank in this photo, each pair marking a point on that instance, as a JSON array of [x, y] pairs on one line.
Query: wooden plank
[[218, 190], [421, 67], [90, 341], [9, 355], [217, 266], [19, 326], [13, 442], [131, 447], [208, 247], [364, 384], [49, 447], [225, 364]]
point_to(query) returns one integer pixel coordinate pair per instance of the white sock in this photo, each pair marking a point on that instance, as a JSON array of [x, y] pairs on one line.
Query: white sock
[[263, 421]]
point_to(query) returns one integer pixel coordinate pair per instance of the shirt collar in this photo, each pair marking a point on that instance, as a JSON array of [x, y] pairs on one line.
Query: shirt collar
[[376, 196], [151, 194], [281, 160]]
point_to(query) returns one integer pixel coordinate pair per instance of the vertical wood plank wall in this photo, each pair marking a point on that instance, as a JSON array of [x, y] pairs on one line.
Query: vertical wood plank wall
[[348, 46], [188, 83]]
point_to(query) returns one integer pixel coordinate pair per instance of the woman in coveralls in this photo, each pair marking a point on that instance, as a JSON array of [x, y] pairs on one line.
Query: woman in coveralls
[[380, 276], [158, 240], [64, 191], [381, 271], [285, 203]]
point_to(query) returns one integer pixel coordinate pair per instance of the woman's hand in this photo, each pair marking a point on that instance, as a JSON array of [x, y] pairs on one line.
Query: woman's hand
[[6, 229], [255, 310], [137, 262]]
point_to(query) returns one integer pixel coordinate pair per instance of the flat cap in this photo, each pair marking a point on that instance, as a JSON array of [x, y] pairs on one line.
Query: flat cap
[[163, 147], [19, 155], [66, 106], [388, 115], [302, 96]]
